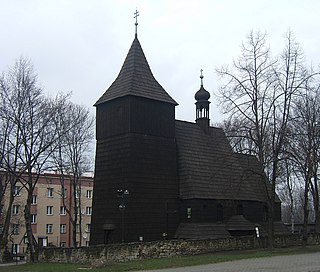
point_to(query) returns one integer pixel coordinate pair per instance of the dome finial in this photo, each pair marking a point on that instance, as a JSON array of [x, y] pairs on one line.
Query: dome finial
[[201, 76], [136, 14]]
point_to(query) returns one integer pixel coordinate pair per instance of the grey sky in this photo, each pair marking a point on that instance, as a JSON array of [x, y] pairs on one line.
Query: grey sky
[[79, 46]]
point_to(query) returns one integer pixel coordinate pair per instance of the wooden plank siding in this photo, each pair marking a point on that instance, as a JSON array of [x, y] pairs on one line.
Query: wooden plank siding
[[137, 153]]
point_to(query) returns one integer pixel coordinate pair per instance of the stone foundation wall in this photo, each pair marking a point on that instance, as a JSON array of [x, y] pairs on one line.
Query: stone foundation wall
[[161, 249]]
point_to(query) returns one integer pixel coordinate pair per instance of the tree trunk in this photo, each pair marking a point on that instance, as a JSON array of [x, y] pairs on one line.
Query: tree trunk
[[316, 200], [270, 224], [75, 213], [305, 213], [6, 227], [32, 246], [271, 201], [317, 220]]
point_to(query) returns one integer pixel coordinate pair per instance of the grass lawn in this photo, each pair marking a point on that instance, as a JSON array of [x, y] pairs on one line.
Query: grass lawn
[[160, 263]]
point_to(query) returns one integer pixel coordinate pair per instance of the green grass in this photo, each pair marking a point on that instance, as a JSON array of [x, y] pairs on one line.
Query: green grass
[[161, 263]]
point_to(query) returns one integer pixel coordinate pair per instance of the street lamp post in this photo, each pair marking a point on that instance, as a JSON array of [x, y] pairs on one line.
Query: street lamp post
[[122, 193]]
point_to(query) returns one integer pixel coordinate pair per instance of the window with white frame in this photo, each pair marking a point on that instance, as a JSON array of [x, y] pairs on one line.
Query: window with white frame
[[49, 210], [64, 193], [34, 200], [33, 218], [89, 193], [15, 209], [88, 227], [88, 210], [49, 228], [78, 192], [63, 228], [16, 190], [63, 210], [50, 192], [15, 249]]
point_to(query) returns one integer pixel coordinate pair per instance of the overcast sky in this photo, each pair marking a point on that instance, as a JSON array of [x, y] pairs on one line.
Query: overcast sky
[[80, 46]]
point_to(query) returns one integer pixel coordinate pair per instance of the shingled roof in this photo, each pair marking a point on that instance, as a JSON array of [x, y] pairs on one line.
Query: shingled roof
[[135, 78], [254, 175], [208, 168]]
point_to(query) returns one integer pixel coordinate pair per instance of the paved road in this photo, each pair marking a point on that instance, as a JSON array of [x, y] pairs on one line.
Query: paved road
[[293, 263]]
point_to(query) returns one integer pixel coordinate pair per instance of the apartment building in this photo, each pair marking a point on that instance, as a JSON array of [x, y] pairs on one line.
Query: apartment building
[[52, 206]]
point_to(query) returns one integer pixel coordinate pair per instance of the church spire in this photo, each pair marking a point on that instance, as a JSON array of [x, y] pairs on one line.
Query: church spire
[[136, 14], [135, 78], [202, 106]]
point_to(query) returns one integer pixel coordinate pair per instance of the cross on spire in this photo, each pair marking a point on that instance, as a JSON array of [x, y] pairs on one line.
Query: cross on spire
[[136, 14], [201, 76]]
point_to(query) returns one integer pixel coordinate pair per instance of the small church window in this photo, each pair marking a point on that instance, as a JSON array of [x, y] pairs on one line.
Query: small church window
[[219, 212], [189, 213], [265, 213], [240, 209]]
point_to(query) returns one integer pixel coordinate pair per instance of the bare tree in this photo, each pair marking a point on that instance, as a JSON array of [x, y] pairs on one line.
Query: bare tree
[[247, 95], [258, 92], [71, 158], [304, 147], [33, 134]]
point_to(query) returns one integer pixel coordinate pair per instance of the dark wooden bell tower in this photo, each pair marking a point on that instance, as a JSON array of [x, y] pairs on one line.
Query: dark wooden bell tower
[[135, 184]]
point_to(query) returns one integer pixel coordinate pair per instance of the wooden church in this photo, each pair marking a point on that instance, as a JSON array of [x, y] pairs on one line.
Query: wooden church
[[157, 177]]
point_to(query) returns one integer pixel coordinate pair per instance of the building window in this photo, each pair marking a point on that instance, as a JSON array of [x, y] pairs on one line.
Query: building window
[[240, 209], [63, 210], [49, 210], [219, 213], [15, 248], [88, 210], [15, 209], [89, 193], [64, 193], [49, 228], [189, 211], [265, 213], [88, 227], [78, 192], [33, 218], [50, 192], [15, 229], [16, 190], [77, 228], [34, 199], [63, 228]]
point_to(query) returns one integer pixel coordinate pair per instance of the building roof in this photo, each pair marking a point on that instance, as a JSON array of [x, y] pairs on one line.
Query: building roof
[[201, 231], [238, 222], [136, 79], [208, 168], [202, 94]]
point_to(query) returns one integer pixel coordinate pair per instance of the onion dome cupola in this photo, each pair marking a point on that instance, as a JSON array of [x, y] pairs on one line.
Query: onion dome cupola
[[202, 106]]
